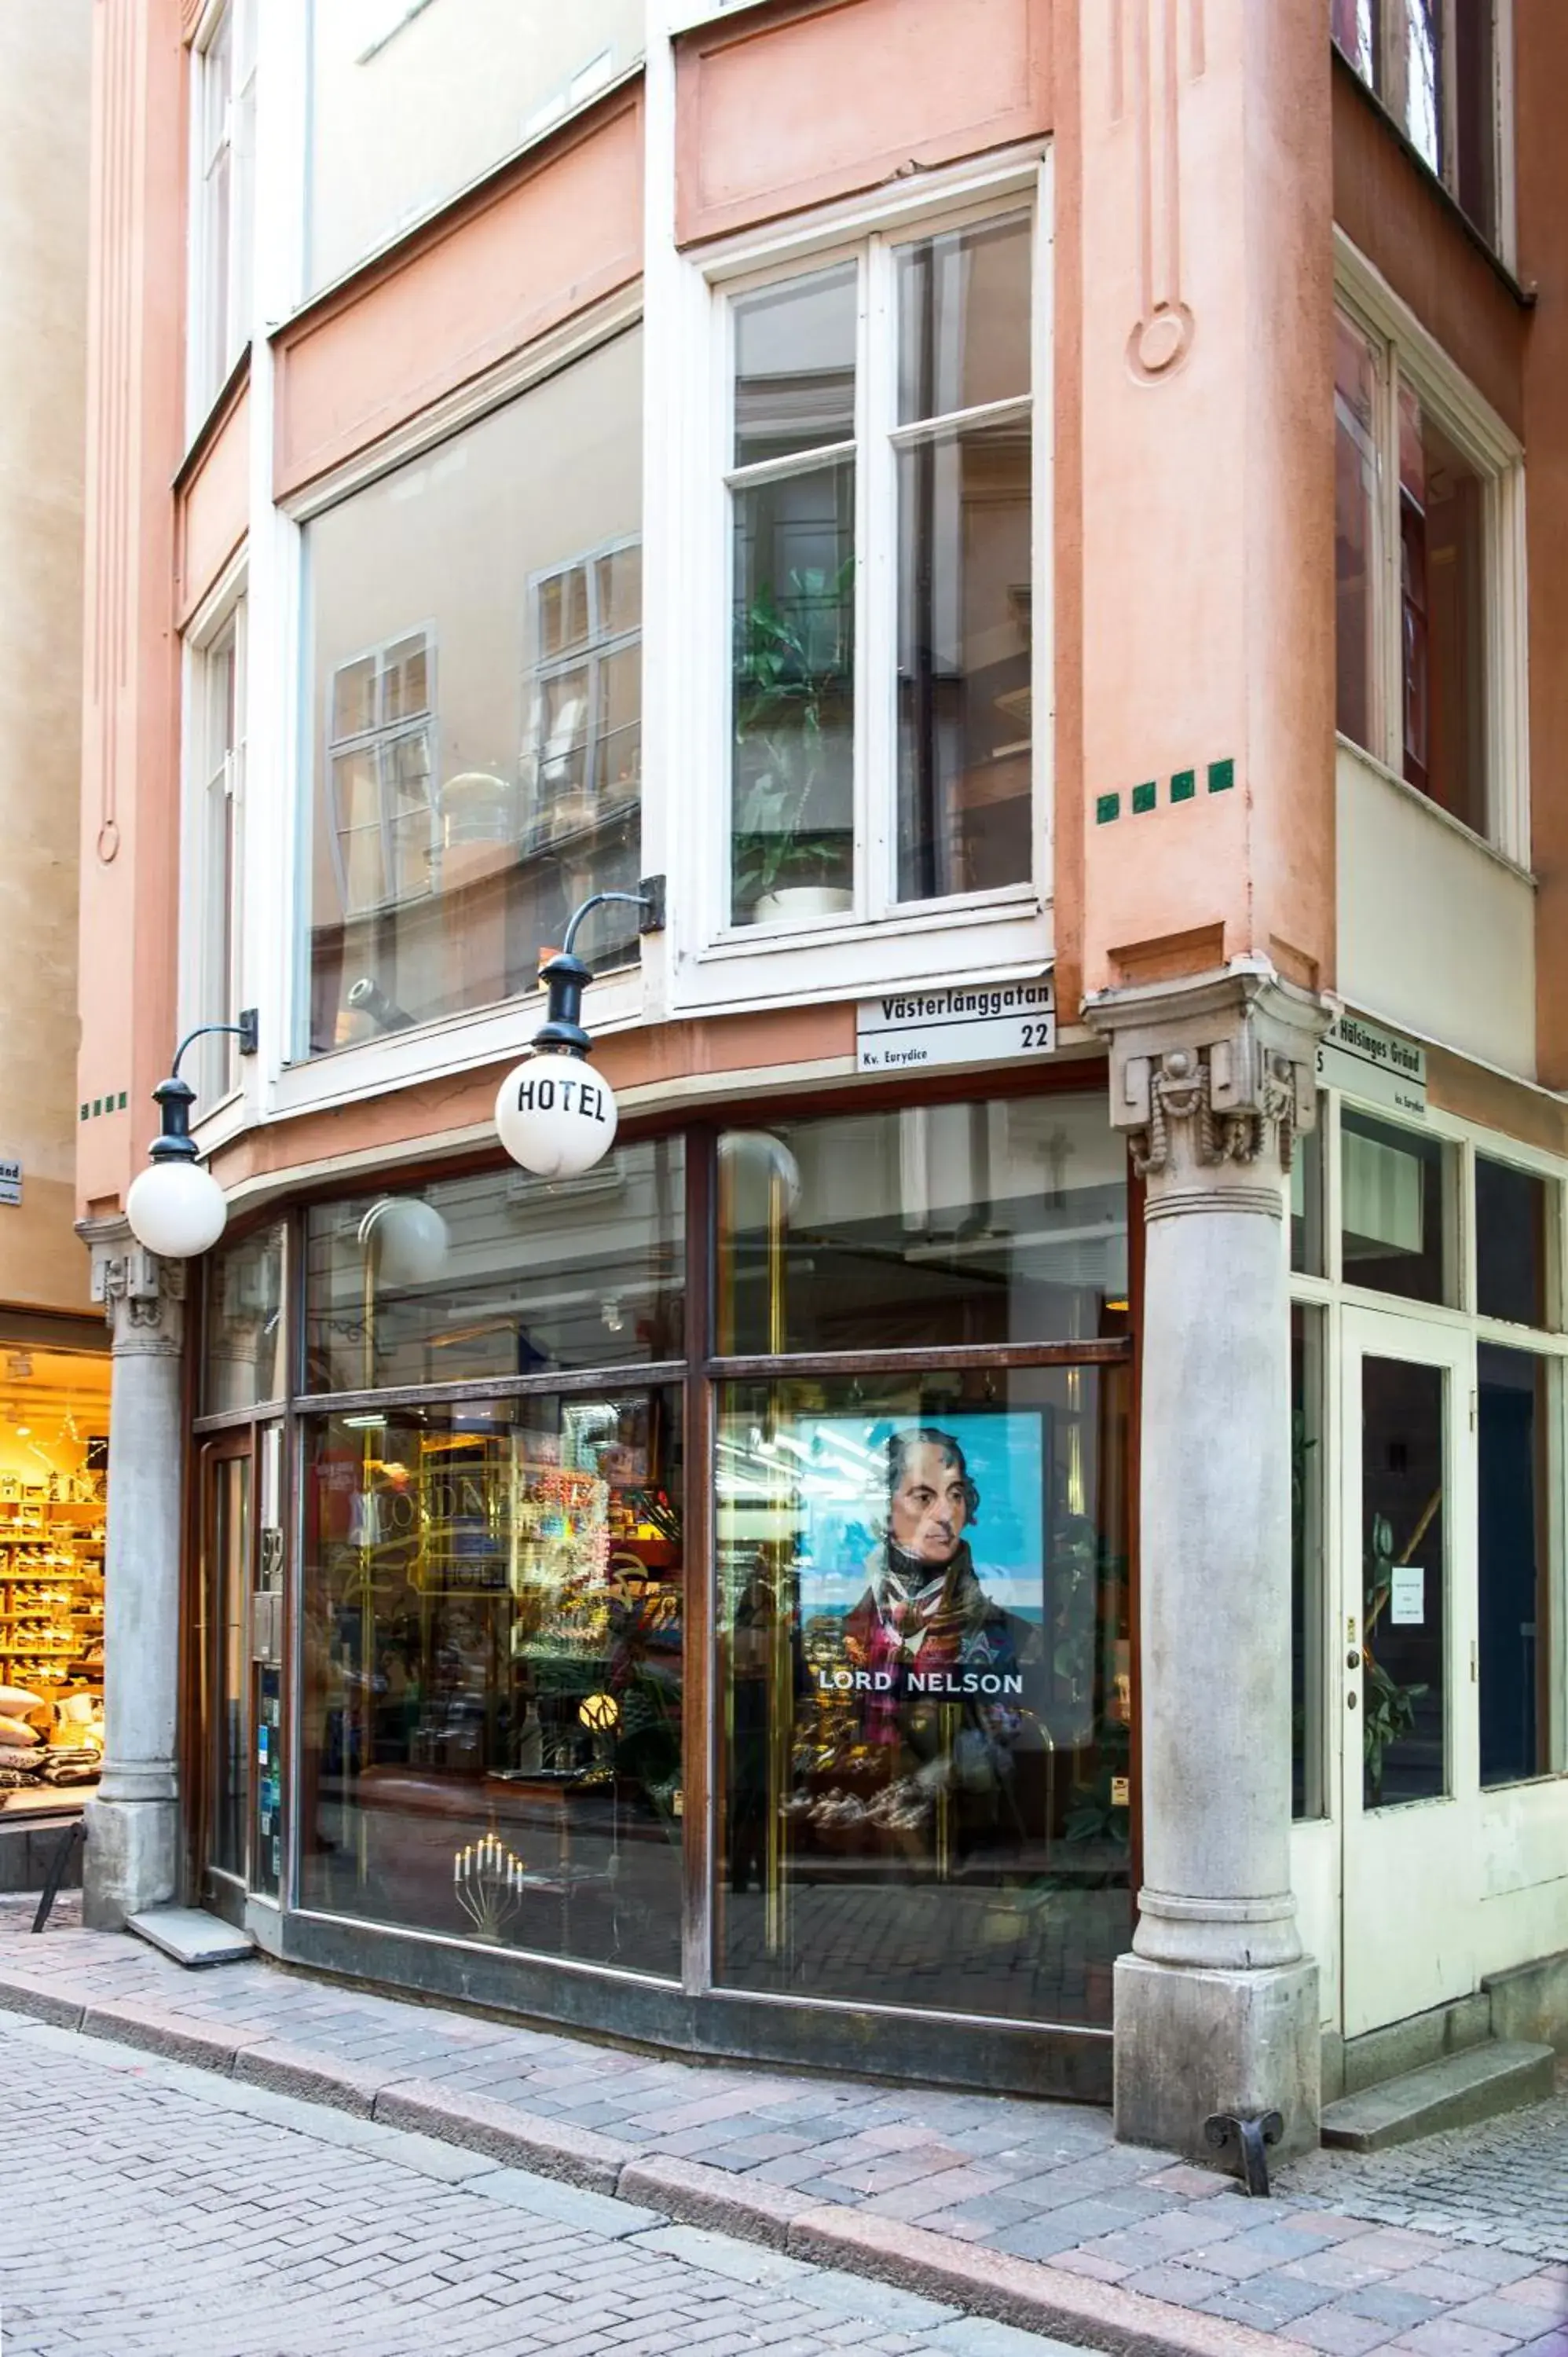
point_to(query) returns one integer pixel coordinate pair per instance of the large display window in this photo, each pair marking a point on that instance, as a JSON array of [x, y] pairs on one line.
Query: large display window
[[925, 1632], [714, 1572], [493, 1672]]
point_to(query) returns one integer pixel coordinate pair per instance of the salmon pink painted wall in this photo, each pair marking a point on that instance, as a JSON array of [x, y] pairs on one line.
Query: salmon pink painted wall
[[130, 754], [804, 102], [1205, 386], [212, 506]]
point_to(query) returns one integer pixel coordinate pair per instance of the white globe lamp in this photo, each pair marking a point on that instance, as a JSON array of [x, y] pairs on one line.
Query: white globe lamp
[[554, 1114], [175, 1208]]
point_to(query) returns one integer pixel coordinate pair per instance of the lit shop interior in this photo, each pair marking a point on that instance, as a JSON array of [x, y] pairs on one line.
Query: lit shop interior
[[54, 1453], [722, 1557]]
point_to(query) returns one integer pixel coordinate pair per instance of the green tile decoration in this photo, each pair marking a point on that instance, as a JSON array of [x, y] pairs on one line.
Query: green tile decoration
[[122, 1101], [1184, 785], [1222, 777], [97, 1104], [1107, 807], [1145, 797]]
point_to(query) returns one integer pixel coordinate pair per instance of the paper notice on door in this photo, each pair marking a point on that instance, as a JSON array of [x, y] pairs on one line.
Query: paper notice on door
[[1407, 1598]]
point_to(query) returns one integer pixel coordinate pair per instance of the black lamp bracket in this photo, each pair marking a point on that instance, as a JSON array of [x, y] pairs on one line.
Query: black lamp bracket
[[565, 977], [175, 1097]]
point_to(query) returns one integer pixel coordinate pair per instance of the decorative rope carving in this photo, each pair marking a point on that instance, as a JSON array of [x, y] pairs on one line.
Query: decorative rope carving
[[1180, 1090]]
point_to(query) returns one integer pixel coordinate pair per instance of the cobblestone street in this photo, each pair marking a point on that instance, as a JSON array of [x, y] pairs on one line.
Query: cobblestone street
[[171, 2213], [337, 2145]]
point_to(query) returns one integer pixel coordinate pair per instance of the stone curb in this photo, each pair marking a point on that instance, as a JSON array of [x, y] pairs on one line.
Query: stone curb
[[550, 2148], [1028, 2294], [747, 2208], [20, 1995], [313, 2078], [179, 2039]]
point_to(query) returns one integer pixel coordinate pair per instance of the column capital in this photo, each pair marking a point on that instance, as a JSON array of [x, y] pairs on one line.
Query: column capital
[[143, 1295], [1213, 1077]]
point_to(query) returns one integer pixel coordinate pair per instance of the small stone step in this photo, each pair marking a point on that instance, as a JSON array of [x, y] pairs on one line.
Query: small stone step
[[1454, 2094], [191, 1936]]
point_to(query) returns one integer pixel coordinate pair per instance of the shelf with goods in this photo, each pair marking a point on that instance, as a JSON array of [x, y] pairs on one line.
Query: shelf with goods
[[51, 1589]]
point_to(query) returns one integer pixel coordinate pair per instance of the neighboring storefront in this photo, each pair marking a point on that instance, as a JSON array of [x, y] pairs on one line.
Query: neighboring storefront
[[879, 1764], [53, 1455]]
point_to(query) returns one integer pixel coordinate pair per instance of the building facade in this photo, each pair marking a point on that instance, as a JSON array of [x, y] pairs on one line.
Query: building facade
[[54, 1356], [1013, 1528]]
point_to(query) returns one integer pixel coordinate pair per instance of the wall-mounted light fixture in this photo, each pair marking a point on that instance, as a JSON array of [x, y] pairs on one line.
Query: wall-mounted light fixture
[[553, 1114], [175, 1207]]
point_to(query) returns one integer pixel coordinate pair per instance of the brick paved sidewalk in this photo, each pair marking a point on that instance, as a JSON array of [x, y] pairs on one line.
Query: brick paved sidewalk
[[1027, 2211]]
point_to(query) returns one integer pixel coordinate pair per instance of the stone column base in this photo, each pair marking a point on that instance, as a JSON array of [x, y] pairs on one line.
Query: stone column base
[[1193, 2041], [131, 1860]]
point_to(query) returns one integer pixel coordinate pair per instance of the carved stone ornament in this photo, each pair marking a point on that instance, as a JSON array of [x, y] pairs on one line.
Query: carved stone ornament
[[142, 1295], [1212, 1075]]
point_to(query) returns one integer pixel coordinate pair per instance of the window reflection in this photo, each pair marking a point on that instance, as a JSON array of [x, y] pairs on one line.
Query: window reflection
[[499, 1274], [491, 1741], [242, 1360], [475, 620], [976, 1222], [925, 1658], [409, 103]]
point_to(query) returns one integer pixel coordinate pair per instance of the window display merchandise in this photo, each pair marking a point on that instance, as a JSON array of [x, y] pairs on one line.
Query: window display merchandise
[[52, 1504]]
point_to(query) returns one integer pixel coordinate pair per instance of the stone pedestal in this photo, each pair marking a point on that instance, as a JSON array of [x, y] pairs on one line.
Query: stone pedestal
[[1216, 2010], [133, 1822]]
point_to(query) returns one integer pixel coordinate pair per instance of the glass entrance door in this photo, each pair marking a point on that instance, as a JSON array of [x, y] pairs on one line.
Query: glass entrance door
[[223, 1673], [1407, 1660]]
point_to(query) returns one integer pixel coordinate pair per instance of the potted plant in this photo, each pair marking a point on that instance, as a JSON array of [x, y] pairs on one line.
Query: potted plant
[[794, 692]]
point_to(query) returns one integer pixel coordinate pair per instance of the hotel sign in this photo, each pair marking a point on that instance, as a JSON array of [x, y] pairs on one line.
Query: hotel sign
[[967, 1022]]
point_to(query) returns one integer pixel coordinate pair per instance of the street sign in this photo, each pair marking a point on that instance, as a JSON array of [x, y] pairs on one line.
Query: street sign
[[1378, 1065], [968, 1023], [10, 1182]]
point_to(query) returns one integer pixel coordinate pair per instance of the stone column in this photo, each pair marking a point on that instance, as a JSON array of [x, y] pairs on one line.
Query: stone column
[[133, 1823], [1216, 2008]]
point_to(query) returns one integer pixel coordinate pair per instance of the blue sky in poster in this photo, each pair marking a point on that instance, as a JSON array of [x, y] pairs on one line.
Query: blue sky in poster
[[842, 1462]]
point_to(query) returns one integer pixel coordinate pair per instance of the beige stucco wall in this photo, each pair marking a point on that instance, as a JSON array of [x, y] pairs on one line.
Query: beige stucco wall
[[44, 51]]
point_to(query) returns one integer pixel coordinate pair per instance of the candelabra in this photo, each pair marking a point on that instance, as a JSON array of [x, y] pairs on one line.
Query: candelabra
[[487, 1879]]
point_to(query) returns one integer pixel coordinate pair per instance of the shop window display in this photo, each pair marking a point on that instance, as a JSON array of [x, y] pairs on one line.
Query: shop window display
[[53, 1495], [493, 1644], [925, 1640]]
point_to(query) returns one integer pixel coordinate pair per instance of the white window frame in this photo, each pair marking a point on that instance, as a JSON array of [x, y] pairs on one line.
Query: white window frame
[[1386, 85], [585, 654], [212, 930], [207, 333], [1407, 351], [718, 964], [380, 737]]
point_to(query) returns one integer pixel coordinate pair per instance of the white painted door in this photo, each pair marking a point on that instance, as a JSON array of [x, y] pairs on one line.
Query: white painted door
[[1406, 1667]]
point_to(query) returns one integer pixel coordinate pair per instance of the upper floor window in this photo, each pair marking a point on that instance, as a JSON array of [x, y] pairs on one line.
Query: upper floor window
[[1435, 66], [412, 100], [223, 116], [880, 478], [1427, 631], [475, 620], [215, 770]]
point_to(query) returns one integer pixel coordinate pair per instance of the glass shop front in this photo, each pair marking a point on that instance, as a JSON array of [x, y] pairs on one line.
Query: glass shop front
[[713, 1587]]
